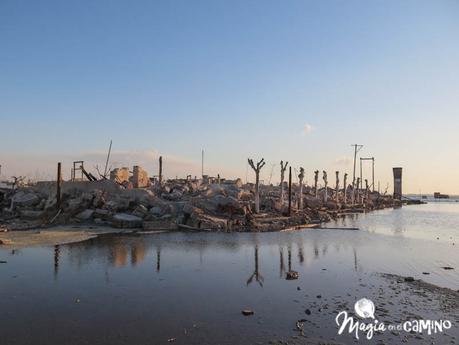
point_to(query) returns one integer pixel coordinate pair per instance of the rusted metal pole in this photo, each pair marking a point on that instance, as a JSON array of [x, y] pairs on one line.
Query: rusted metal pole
[[58, 185], [290, 191]]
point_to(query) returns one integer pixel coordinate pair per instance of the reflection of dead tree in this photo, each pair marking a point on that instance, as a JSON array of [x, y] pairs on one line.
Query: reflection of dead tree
[[257, 169], [158, 259], [355, 260], [300, 253], [56, 260], [282, 264], [283, 168], [256, 274], [289, 250]]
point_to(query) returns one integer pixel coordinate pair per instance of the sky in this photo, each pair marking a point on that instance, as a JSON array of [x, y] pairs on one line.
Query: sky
[[298, 81]]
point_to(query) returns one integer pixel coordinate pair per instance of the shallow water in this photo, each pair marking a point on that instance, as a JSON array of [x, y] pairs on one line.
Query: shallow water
[[192, 287]]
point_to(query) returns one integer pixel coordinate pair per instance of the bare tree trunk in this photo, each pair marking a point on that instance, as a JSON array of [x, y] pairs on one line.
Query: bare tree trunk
[[366, 190], [326, 185], [357, 190], [301, 177], [316, 179], [337, 187], [283, 168], [257, 169], [345, 189]]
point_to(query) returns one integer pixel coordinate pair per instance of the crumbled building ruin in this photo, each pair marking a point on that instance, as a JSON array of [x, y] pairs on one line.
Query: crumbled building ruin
[[133, 200]]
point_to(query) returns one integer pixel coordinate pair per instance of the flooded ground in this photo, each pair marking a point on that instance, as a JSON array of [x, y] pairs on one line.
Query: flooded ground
[[190, 288]]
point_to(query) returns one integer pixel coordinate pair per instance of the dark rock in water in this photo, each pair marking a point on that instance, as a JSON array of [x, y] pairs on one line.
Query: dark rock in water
[[426, 273], [3, 262], [247, 312], [298, 288], [409, 279], [292, 275], [448, 268], [319, 296], [307, 312]]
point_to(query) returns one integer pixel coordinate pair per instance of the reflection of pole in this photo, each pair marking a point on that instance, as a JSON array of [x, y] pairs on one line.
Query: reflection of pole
[[158, 260], [282, 264], [56, 259], [289, 259], [355, 260]]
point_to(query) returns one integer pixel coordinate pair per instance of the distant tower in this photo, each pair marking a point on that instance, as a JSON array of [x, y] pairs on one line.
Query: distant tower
[[397, 183]]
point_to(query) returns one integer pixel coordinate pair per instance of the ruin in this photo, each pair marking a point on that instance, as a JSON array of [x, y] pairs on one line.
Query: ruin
[[132, 200], [397, 183]]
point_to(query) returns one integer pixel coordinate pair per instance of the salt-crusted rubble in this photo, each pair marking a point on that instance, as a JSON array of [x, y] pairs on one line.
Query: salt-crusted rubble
[[187, 204]]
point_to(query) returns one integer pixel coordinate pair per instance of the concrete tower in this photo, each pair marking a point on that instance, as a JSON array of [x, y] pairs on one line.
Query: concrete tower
[[397, 183]]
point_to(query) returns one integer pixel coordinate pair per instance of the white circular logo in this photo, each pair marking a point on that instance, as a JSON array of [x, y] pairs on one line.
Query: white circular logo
[[365, 308]]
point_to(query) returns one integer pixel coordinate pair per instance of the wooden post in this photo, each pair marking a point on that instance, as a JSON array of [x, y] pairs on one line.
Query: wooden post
[[160, 176], [290, 191], [58, 186]]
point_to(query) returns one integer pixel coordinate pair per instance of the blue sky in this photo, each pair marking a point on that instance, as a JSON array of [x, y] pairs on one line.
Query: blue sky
[[237, 78]]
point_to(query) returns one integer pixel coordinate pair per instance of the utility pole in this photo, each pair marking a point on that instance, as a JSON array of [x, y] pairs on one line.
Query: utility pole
[[202, 163], [357, 148], [373, 173], [108, 158], [372, 159], [160, 175]]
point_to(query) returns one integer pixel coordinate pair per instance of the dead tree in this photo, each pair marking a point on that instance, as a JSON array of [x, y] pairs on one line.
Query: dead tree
[[358, 191], [301, 177], [283, 168], [366, 190], [18, 181], [316, 179], [257, 169], [345, 189], [326, 185], [160, 174], [337, 186]]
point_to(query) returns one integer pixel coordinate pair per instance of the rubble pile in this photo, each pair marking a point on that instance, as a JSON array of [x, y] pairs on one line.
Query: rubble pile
[[188, 204]]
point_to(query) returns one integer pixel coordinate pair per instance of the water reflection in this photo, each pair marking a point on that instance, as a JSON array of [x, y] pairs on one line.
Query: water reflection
[[56, 260], [256, 273], [119, 251]]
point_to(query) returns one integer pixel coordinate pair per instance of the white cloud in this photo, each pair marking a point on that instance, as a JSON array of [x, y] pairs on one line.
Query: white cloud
[[307, 129]]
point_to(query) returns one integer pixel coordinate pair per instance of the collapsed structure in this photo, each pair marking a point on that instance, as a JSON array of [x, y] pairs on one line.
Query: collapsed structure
[[133, 200]]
